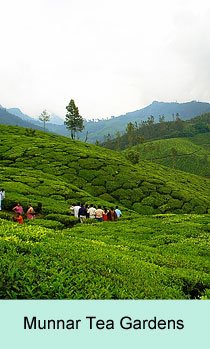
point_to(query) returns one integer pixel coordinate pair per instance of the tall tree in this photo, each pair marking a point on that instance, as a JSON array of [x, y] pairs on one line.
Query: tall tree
[[130, 130], [74, 121], [44, 117]]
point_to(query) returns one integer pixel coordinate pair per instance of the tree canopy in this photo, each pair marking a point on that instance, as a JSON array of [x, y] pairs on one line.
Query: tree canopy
[[45, 117], [74, 121]]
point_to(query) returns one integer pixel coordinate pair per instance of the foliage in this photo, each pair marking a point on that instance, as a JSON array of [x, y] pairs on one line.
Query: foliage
[[57, 172], [74, 121], [159, 257], [45, 117], [148, 130], [186, 154]]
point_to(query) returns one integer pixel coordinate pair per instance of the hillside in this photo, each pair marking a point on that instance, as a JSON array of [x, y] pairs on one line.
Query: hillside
[[97, 130], [149, 253], [162, 257], [187, 154], [7, 118], [146, 188]]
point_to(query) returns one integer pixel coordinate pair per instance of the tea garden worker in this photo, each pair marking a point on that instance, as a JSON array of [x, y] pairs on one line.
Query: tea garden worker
[[118, 212], [105, 218], [82, 214], [18, 209], [99, 214], [30, 212], [72, 209], [2, 197], [76, 210], [19, 218], [111, 215], [92, 212]]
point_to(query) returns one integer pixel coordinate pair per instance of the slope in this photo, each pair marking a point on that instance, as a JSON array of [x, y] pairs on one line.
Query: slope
[[164, 257], [186, 154], [7, 118], [147, 188], [98, 129]]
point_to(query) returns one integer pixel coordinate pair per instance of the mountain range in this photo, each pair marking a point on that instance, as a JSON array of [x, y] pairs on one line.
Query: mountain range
[[96, 130]]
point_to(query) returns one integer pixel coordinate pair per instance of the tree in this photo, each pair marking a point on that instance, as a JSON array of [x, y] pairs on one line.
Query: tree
[[74, 121], [130, 129], [45, 117]]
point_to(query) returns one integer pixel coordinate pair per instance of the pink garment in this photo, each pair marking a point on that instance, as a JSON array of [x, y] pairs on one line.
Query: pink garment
[[30, 213], [18, 209]]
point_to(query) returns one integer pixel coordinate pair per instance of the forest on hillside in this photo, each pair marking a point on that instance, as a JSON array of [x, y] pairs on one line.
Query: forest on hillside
[[149, 130]]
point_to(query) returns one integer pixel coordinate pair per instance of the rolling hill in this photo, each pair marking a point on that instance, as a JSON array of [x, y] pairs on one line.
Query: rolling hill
[[7, 118], [146, 188], [150, 253], [187, 154], [96, 130]]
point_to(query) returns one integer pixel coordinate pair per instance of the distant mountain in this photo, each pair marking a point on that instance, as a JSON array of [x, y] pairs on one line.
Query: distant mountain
[[19, 113], [55, 125], [7, 118], [55, 119], [96, 130]]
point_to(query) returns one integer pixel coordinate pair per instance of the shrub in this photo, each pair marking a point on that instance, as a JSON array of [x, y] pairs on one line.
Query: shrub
[[68, 221], [50, 224], [143, 209]]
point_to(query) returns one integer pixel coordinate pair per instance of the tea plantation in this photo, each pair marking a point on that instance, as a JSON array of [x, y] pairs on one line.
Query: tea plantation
[[161, 257], [187, 154], [146, 188], [159, 249]]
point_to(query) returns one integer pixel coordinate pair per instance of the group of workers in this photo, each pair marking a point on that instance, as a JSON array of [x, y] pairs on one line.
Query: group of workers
[[18, 209], [80, 211], [85, 211]]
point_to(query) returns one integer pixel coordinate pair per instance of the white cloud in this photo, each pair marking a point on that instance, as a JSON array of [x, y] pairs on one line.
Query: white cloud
[[110, 56]]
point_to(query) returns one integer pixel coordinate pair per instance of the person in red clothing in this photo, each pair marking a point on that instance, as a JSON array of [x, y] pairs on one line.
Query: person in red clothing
[[19, 218], [105, 214]]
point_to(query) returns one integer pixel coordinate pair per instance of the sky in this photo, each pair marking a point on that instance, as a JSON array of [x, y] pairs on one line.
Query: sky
[[110, 56]]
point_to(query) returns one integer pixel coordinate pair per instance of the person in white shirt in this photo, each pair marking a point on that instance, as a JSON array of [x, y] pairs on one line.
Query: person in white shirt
[[2, 197], [76, 210], [91, 211]]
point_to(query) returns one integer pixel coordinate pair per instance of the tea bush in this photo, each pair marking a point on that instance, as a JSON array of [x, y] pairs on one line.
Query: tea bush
[[151, 257], [57, 171]]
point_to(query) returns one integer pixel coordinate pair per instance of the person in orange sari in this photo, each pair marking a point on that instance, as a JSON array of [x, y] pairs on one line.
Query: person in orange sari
[[19, 218]]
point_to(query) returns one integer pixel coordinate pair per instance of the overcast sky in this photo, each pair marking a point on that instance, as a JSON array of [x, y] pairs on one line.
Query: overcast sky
[[110, 56]]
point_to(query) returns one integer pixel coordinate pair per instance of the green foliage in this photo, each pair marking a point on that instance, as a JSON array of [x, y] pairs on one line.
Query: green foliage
[[51, 224], [137, 133], [133, 156], [67, 221], [160, 257], [57, 171], [44, 117], [186, 154], [73, 121]]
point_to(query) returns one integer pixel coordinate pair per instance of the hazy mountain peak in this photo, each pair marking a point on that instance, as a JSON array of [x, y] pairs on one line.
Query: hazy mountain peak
[[55, 119]]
